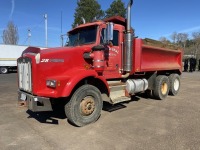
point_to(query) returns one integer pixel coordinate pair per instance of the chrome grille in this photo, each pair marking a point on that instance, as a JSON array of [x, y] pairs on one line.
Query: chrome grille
[[24, 74]]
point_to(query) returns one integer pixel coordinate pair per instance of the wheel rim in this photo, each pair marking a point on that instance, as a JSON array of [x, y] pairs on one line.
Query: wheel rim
[[3, 70], [87, 106], [176, 84], [164, 88]]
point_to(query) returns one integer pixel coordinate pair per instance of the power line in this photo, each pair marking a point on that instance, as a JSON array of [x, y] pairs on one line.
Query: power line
[[46, 34], [37, 25], [1, 38], [29, 37], [25, 41]]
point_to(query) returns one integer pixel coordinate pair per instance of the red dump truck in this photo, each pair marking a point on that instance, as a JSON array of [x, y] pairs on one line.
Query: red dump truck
[[102, 61]]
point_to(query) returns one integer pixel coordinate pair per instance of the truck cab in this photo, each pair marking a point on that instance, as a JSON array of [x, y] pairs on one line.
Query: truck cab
[[95, 33]]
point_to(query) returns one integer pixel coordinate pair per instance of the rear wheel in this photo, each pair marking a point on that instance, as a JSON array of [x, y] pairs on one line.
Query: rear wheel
[[161, 88], [3, 70], [84, 106], [174, 80]]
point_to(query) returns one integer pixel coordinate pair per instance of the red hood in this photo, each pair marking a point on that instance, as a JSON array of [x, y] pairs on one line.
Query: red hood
[[55, 62], [56, 50]]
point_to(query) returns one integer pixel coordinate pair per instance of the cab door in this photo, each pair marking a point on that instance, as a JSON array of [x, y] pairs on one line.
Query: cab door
[[113, 55]]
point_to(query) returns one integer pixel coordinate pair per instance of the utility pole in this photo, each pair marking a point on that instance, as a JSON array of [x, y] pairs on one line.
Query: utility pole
[[2, 38], [61, 23], [46, 36], [61, 40], [29, 37], [61, 36]]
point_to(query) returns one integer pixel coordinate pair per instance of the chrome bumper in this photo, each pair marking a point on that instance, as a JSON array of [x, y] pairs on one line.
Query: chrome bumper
[[34, 103]]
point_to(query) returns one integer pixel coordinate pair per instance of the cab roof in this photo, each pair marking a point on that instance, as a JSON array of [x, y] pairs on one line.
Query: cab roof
[[115, 19]]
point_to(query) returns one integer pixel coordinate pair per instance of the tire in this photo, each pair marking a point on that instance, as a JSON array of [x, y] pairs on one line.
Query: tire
[[161, 89], [174, 80], [3, 70], [84, 106]]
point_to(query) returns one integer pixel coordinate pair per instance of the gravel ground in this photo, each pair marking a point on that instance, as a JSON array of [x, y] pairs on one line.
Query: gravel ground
[[143, 124]]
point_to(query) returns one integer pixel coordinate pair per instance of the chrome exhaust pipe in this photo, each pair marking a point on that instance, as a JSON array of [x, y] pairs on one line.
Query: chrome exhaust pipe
[[83, 20], [128, 50]]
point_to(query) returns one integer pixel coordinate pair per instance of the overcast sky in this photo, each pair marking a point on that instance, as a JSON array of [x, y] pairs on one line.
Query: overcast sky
[[150, 18]]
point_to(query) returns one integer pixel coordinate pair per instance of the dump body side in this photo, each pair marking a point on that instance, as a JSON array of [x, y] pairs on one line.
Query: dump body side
[[151, 58]]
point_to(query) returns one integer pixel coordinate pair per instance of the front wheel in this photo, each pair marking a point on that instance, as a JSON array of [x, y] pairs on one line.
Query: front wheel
[[84, 106]]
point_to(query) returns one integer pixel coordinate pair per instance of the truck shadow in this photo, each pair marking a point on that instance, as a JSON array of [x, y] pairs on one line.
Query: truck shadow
[[51, 117], [113, 107], [147, 96]]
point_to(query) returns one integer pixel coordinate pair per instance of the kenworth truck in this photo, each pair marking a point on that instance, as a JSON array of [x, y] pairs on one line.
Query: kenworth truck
[[102, 61]]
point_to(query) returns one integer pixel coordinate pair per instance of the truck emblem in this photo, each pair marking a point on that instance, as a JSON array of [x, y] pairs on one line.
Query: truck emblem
[[113, 50], [51, 60], [45, 60]]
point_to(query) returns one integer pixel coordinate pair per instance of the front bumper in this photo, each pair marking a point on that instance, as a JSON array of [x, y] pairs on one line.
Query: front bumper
[[34, 103]]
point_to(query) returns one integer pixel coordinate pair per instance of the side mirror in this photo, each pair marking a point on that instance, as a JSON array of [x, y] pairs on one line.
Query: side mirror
[[108, 32]]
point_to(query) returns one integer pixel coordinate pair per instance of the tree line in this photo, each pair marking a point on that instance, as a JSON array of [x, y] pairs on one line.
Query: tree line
[[91, 9], [190, 43]]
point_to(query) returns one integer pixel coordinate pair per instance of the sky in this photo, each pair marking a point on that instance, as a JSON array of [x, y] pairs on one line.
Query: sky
[[150, 18]]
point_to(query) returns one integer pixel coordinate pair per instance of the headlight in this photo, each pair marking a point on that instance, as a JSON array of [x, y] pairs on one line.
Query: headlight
[[51, 83]]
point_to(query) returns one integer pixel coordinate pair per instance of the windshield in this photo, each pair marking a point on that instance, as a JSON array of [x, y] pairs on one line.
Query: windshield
[[82, 36]]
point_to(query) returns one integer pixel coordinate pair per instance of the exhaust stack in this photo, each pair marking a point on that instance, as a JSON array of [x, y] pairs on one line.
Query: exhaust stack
[[128, 50], [83, 20]]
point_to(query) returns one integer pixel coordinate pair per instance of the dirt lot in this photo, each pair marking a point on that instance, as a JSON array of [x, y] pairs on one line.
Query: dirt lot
[[144, 123]]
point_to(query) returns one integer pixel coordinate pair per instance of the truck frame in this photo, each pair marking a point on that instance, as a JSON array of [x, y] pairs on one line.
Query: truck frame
[[102, 61]]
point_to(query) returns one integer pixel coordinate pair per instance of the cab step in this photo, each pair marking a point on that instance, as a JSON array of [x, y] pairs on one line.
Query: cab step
[[120, 99], [117, 93]]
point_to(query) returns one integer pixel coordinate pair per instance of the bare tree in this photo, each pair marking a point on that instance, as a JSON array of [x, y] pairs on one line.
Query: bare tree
[[182, 39], [174, 37], [10, 35], [164, 40], [196, 38]]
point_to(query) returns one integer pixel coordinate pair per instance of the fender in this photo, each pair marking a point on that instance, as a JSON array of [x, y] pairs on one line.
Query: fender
[[76, 76]]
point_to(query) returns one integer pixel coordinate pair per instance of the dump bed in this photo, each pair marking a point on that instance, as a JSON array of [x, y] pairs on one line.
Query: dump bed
[[154, 57]]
